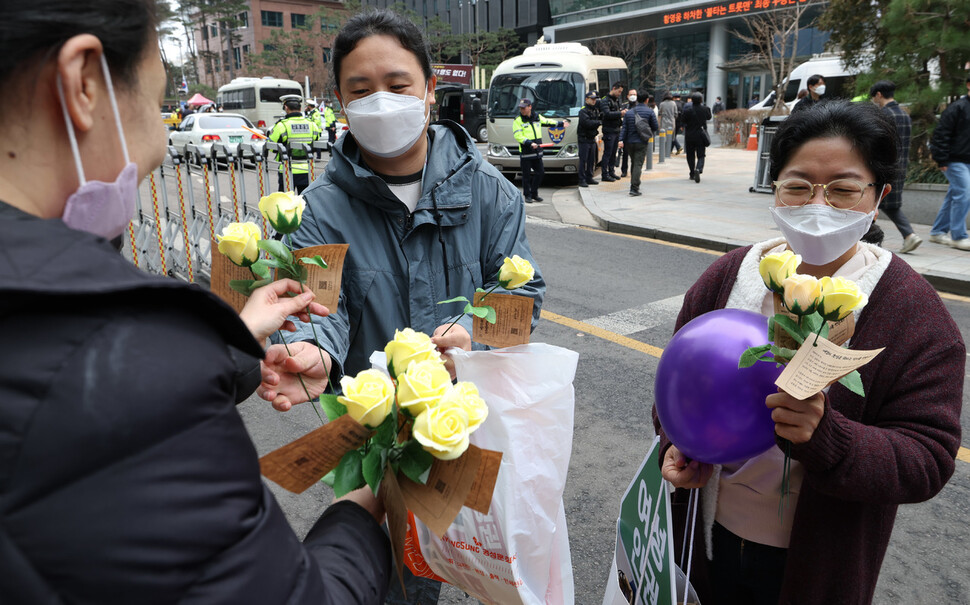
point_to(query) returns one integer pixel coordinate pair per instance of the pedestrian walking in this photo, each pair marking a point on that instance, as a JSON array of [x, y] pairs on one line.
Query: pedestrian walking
[[527, 130], [678, 124], [612, 109], [293, 128], [639, 126], [590, 120], [631, 98], [717, 108], [696, 137], [853, 458], [882, 94], [816, 88], [668, 115], [950, 147]]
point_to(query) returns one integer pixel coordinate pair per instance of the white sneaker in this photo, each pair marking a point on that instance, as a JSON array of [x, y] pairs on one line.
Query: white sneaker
[[942, 238], [910, 243], [961, 244]]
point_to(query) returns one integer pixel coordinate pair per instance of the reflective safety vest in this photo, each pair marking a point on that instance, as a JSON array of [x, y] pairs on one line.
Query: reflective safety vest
[[293, 129], [526, 130], [329, 119], [316, 117]]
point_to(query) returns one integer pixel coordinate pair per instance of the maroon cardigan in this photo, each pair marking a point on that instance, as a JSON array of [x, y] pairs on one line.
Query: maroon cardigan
[[868, 455]]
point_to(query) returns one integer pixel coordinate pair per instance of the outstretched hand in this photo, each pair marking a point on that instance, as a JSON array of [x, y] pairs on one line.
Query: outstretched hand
[[281, 374], [268, 308]]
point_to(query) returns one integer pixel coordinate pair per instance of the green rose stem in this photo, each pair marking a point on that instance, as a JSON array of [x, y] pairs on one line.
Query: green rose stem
[[312, 326], [298, 375], [457, 319]]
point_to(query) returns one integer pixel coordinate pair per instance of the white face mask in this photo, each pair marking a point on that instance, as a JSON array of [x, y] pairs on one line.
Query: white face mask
[[820, 89], [632, 98], [97, 207], [819, 232], [387, 124]]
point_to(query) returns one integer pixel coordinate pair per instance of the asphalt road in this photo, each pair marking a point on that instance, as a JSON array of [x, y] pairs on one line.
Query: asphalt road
[[631, 289]]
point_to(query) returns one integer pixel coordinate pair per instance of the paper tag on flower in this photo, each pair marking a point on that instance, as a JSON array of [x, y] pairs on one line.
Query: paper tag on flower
[[325, 283], [839, 331], [438, 501], [818, 364], [397, 519], [298, 465], [223, 272], [513, 320], [480, 496]]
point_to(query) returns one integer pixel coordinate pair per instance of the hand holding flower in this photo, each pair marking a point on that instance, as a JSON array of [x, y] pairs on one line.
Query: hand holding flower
[[458, 337], [796, 419], [281, 384], [268, 308]]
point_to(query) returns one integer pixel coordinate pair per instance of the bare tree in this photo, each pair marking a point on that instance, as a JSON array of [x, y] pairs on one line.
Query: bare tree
[[773, 37], [638, 50], [673, 73]]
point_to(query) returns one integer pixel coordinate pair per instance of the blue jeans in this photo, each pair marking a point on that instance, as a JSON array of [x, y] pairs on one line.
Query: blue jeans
[[952, 216]]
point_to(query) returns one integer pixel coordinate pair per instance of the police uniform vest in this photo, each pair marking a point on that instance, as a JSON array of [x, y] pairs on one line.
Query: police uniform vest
[[291, 130]]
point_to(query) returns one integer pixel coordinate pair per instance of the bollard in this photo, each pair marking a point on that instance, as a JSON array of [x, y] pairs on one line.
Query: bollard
[[650, 153], [661, 145]]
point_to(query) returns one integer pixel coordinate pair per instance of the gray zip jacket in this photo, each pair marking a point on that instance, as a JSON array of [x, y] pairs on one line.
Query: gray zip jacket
[[469, 218]]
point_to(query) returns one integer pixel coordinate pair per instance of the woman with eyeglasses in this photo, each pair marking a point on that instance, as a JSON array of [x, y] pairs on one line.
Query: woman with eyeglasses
[[854, 459]]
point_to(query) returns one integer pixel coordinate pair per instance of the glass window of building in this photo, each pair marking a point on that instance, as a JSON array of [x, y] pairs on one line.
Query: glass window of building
[[297, 20], [272, 18]]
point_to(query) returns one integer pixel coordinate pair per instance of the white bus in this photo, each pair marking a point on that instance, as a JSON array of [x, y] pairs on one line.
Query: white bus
[[258, 99], [555, 77]]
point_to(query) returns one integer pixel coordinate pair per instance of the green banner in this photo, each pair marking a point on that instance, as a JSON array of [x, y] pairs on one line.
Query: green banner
[[645, 548]]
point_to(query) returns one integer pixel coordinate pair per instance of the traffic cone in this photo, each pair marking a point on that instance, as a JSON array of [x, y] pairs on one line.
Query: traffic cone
[[753, 139]]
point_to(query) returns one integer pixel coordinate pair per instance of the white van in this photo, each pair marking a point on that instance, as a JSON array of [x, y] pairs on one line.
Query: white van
[[555, 77], [838, 80], [258, 99]]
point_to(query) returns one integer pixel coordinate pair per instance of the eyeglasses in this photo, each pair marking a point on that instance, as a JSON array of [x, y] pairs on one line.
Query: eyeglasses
[[843, 194]]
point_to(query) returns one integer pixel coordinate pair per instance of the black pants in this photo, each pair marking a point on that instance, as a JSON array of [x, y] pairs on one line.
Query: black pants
[[300, 182], [624, 159], [532, 172], [698, 150], [611, 142], [587, 161], [895, 214], [745, 572], [675, 144], [637, 153]]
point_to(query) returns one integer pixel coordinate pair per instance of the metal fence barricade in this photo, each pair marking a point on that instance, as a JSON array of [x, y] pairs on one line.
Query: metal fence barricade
[[762, 172]]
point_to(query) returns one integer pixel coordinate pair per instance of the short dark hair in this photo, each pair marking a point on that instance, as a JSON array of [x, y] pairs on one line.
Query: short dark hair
[[292, 104], [34, 30], [380, 23], [667, 96], [617, 85], [697, 98], [814, 79], [870, 130], [884, 87]]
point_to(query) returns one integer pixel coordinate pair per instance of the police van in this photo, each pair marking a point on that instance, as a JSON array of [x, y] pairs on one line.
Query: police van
[[258, 99], [555, 77]]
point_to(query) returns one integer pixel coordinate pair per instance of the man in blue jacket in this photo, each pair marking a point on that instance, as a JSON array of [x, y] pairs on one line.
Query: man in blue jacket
[[633, 141]]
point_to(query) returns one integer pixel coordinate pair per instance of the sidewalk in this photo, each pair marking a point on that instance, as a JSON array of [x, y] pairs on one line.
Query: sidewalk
[[720, 213]]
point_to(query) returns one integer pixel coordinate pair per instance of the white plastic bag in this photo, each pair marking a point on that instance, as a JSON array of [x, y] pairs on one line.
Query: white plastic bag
[[519, 552]]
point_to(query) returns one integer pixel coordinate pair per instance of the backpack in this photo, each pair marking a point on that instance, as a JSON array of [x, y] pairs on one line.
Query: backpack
[[643, 127]]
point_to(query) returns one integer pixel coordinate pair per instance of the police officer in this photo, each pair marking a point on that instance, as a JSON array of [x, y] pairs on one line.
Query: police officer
[[590, 120], [613, 111], [293, 129], [330, 123], [527, 130], [313, 114]]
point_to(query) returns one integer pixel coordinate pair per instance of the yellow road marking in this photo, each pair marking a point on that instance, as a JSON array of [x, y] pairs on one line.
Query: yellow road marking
[[949, 296], [631, 343]]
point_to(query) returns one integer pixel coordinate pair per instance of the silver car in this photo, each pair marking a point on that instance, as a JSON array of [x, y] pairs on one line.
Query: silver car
[[204, 129]]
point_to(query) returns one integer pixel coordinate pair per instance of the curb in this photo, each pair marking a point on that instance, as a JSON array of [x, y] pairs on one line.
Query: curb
[[942, 282]]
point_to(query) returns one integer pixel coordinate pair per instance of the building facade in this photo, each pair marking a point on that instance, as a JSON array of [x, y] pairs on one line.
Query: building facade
[[692, 39], [224, 54]]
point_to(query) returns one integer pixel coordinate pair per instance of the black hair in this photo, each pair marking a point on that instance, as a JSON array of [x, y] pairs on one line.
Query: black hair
[[884, 87], [813, 79], [697, 98], [617, 85], [871, 131], [292, 104], [380, 23], [667, 97], [33, 30]]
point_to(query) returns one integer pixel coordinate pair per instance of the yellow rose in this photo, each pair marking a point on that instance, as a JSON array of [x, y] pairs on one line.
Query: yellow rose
[[406, 347], [840, 297], [443, 431], [239, 242], [465, 395], [515, 272], [369, 397], [802, 294], [776, 268], [422, 386], [283, 210]]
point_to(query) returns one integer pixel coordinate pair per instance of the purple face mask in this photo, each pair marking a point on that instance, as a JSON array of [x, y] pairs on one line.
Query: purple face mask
[[97, 207]]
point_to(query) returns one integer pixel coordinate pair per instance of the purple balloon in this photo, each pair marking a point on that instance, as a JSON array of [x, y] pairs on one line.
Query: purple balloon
[[710, 409]]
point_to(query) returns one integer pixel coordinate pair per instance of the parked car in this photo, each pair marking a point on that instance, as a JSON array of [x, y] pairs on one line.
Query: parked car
[[204, 129], [467, 106]]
